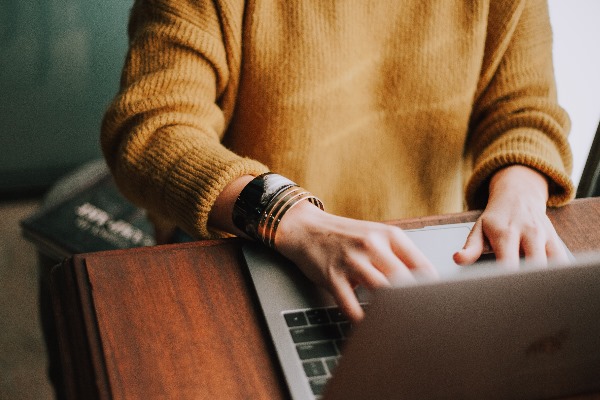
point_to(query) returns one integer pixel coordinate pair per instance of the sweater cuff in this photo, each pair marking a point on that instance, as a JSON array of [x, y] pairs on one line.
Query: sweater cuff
[[526, 147], [195, 183]]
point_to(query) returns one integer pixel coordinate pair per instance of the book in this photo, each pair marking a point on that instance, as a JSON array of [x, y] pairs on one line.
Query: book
[[86, 213]]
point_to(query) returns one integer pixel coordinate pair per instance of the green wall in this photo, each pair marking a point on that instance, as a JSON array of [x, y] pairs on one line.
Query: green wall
[[60, 63]]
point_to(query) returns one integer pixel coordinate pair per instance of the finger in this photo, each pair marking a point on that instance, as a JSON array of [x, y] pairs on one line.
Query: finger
[[368, 276], [534, 249], [473, 247], [506, 246], [556, 251], [390, 265], [346, 299], [555, 248], [401, 275], [411, 256]]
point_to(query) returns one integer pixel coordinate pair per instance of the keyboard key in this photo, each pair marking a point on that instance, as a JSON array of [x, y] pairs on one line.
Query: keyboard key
[[346, 328], [316, 350], [295, 319], [318, 386], [314, 368], [340, 344], [331, 364], [317, 316], [336, 315], [315, 333]]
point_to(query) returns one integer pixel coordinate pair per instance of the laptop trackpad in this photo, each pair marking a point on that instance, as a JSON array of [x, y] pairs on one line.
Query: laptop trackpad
[[439, 243]]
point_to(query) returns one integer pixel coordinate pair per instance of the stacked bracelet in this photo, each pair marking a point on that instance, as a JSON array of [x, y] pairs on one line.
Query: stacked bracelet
[[263, 202]]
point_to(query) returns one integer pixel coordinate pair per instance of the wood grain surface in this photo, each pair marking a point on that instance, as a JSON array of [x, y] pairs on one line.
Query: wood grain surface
[[181, 321]]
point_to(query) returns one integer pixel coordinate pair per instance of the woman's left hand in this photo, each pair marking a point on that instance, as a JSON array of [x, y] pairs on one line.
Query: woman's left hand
[[514, 222]]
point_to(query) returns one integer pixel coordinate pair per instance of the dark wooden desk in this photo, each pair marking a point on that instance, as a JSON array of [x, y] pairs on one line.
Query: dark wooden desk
[[181, 321]]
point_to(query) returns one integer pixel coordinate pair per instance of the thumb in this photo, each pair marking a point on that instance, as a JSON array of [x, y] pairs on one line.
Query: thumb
[[473, 247]]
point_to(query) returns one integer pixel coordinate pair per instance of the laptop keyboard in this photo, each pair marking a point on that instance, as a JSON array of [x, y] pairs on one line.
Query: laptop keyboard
[[319, 335]]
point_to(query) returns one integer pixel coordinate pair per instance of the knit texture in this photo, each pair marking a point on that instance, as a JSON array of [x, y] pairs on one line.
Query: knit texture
[[383, 109]]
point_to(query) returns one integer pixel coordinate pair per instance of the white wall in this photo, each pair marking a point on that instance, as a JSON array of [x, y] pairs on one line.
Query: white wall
[[577, 64]]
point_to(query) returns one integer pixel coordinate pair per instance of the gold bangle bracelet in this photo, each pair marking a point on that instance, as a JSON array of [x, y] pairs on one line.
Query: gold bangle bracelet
[[271, 209], [262, 204], [285, 208]]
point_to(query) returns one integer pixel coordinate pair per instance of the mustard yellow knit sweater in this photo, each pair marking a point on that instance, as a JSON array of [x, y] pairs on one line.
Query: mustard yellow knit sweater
[[383, 109]]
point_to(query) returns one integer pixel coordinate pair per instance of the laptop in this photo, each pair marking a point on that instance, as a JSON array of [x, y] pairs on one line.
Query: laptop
[[479, 332]]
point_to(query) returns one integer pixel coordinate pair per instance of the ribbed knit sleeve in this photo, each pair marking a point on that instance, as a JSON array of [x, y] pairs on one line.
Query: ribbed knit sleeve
[[516, 118], [372, 107], [161, 135]]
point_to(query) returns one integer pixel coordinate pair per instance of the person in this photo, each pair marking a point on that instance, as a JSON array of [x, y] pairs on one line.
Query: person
[[382, 110]]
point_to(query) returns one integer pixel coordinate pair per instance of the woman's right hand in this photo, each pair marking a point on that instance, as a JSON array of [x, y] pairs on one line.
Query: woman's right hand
[[340, 253], [336, 253]]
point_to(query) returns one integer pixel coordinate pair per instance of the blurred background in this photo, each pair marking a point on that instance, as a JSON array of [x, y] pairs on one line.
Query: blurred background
[[60, 63], [59, 66]]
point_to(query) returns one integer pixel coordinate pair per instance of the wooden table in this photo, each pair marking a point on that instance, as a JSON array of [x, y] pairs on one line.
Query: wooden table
[[181, 321]]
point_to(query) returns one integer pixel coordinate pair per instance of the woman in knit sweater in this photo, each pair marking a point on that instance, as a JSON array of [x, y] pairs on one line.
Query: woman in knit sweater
[[382, 110]]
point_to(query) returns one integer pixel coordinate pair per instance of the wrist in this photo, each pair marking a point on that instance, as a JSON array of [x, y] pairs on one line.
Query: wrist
[[221, 211], [298, 223], [518, 180]]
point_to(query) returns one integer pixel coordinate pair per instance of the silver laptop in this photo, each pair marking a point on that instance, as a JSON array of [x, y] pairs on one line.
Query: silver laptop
[[480, 332]]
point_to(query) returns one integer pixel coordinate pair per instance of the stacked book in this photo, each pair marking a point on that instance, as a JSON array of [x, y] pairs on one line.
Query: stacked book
[[85, 212]]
